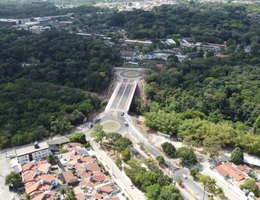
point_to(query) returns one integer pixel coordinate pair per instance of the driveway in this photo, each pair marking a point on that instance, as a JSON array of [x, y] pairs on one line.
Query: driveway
[[5, 169]]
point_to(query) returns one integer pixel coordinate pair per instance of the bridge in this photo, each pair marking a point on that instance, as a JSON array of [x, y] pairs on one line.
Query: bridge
[[122, 97]]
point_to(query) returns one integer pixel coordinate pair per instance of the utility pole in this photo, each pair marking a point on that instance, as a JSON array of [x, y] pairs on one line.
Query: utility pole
[[203, 192]]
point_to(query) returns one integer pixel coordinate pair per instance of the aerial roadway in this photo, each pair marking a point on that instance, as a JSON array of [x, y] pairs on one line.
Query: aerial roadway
[[117, 110]]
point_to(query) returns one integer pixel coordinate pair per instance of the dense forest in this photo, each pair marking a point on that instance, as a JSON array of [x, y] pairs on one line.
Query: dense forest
[[45, 82], [207, 101], [39, 9], [202, 22]]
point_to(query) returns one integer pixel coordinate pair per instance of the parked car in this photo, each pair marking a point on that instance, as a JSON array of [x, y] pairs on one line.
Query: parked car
[[182, 185]]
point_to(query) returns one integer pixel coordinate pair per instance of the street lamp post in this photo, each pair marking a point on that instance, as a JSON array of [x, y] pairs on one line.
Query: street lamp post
[[203, 192]]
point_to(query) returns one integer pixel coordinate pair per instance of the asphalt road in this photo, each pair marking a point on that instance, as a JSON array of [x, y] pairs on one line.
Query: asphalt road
[[192, 186], [5, 168], [118, 102], [118, 96], [121, 98], [197, 190], [232, 192], [119, 177]]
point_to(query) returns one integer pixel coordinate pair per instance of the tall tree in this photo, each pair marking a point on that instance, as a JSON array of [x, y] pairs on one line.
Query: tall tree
[[237, 156], [169, 149], [14, 179], [98, 133], [187, 155], [170, 192], [51, 159]]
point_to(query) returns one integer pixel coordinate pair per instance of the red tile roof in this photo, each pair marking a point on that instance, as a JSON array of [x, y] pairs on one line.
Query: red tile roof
[[87, 159], [218, 45], [98, 195], [28, 176], [99, 177], [71, 146], [82, 173], [106, 189], [48, 177], [127, 52], [79, 193], [243, 168], [39, 197], [93, 167], [226, 169], [69, 177], [44, 167], [27, 166], [32, 187], [87, 182], [113, 198]]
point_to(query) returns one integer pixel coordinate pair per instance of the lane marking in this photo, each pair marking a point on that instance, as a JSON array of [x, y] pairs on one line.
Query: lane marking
[[126, 108], [113, 96], [122, 96], [117, 96]]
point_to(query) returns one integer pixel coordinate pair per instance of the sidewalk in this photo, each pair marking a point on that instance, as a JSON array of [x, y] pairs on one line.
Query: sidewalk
[[118, 176]]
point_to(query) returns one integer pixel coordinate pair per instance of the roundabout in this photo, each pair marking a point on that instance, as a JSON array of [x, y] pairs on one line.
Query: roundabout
[[110, 125], [131, 73]]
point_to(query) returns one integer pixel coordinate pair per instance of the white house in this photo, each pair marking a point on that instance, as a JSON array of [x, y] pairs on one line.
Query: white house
[[33, 152], [170, 42]]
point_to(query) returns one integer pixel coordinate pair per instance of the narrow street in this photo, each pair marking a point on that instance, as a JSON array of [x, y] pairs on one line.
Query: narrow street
[[118, 176]]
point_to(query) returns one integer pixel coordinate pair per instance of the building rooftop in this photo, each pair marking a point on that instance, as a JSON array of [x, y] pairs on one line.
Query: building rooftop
[[69, 177], [226, 169], [8, 20], [252, 160], [31, 149], [99, 177], [58, 141]]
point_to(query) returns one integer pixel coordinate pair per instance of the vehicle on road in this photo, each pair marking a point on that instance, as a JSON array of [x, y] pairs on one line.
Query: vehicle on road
[[97, 121], [182, 185], [90, 125], [126, 124], [122, 114], [10, 156], [185, 176]]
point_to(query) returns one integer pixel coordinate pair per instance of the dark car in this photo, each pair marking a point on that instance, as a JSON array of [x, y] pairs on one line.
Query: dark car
[[97, 121]]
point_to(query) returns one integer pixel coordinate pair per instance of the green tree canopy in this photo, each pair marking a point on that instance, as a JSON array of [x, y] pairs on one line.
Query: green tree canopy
[[126, 155], [122, 143], [170, 192], [98, 133], [160, 160], [237, 156], [51, 159], [187, 155], [153, 191], [14, 179], [78, 137], [169, 149]]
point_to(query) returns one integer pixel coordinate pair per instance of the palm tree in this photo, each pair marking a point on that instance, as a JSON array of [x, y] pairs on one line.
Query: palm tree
[[63, 192], [219, 192], [71, 195], [212, 185]]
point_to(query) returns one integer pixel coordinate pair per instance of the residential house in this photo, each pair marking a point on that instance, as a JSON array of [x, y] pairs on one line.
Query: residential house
[[228, 171], [69, 178], [32, 152]]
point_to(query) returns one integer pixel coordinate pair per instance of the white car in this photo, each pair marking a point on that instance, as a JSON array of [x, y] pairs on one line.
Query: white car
[[184, 176]]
